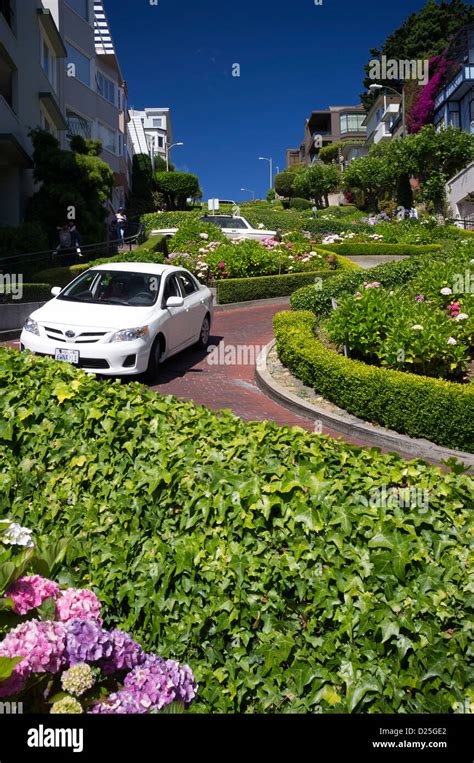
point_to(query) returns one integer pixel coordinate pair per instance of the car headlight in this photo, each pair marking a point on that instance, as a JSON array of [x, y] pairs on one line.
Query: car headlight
[[129, 335], [32, 326]]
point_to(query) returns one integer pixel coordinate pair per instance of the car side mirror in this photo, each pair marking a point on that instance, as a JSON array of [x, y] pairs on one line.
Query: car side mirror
[[174, 302], [56, 290]]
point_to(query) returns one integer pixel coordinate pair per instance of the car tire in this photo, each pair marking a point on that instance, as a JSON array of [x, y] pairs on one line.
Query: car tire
[[154, 360], [205, 332]]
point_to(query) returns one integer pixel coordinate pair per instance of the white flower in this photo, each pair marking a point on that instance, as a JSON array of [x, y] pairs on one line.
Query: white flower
[[204, 235], [446, 291], [417, 327], [203, 250], [15, 535], [462, 317], [452, 340], [260, 225]]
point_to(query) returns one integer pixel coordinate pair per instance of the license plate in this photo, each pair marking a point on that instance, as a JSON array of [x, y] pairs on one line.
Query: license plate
[[67, 356]]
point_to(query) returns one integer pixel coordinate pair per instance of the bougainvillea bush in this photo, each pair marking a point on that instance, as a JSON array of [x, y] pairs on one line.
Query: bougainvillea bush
[[57, 656], [267, 558]]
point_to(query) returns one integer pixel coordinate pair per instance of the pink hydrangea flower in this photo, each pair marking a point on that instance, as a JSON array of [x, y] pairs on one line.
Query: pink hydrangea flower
[[29, 593], [78, 603], [41, 644]]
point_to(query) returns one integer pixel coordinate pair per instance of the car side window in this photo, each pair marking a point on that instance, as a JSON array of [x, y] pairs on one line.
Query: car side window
[[188, 285], [171, 289]]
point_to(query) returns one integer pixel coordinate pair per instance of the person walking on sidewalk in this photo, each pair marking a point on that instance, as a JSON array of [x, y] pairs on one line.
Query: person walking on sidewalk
[[121, 219]]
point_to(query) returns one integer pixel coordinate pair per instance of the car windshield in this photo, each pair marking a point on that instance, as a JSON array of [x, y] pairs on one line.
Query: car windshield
[[225, 222], [113, 287]]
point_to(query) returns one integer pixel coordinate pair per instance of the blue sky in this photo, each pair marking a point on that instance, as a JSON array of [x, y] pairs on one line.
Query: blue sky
[[294, 56]]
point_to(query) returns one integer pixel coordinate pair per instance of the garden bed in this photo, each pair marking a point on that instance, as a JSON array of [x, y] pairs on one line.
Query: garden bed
[[419, 406], [286, 582]]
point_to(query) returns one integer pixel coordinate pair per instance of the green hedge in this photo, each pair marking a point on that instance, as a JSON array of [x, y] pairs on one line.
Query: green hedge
[[265, 287], [390, 274], [23, 239], [364, 249], [32, 292], [252, 552], [440, 411], [153, 250]]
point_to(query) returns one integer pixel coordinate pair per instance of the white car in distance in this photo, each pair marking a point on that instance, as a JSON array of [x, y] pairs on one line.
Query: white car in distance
[[122, 319], [232, 227]]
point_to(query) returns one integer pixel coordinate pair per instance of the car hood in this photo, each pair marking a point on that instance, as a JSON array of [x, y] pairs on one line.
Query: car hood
[[62, 312]]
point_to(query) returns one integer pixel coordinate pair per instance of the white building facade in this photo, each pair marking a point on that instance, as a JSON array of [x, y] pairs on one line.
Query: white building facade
[[150, 132]]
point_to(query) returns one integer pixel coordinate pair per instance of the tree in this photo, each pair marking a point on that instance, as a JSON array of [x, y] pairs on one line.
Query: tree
[[374, 175], [140, 200], [328, 154], [421, 36], [75, 185], [404, 192], [160, 165], [284, 181], [317, 181], [177, 187], [434, 156]]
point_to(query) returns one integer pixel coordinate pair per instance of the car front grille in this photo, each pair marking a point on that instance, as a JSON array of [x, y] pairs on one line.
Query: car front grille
[[86, 337]]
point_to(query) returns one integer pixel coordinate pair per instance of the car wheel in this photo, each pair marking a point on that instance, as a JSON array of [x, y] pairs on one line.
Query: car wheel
[[203, 340], [154, 360]]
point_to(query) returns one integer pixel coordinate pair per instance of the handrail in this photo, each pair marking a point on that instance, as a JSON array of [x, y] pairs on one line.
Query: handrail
[[467, 222], [27, 257]]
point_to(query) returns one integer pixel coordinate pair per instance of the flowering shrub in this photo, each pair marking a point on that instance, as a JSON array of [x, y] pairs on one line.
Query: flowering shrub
[[70, 664], [420, 328]]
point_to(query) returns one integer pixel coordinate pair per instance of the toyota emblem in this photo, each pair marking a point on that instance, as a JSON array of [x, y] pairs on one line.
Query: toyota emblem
[[70, 334]]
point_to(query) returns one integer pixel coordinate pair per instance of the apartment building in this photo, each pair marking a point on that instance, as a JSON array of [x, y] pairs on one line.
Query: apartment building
[[93, 91], [31, 51], [150, 132], [381, 118], [454, 106], [325, 126]]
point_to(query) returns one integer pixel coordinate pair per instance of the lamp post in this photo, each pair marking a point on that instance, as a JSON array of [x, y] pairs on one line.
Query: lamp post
[[376, 87], [168, 149], [249, 191], [266, 159], [277, 170]]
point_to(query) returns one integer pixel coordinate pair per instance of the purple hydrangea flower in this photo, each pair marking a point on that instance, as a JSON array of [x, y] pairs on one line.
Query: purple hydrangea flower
[[87, 642], [121, 702], [42, 644], [126, 653]]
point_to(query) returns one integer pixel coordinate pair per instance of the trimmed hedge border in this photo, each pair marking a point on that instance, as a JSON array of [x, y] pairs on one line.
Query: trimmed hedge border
[[367, 249], [32, 292], [419, 406], [264, 287]]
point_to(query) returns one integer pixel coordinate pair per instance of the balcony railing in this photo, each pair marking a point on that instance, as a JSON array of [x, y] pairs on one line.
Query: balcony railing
[[465, 75]]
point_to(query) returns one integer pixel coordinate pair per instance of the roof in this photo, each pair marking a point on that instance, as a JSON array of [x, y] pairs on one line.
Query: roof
[[137, 267]]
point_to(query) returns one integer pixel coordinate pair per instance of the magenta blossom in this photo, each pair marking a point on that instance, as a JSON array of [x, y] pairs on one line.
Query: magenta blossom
[[78, 603], [42, 644], [29, 593], [420, 298]]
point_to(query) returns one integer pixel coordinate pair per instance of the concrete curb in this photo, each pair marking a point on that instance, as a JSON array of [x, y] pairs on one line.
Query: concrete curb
[[346, 424], [252, 303]]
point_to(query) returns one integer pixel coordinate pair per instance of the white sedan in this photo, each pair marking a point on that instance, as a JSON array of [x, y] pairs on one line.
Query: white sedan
[[232, 227], [122, 319]]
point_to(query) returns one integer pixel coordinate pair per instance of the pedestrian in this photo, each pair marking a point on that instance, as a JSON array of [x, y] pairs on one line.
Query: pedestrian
[[121, 222], [413, 213], [75, 240], [64, 236]]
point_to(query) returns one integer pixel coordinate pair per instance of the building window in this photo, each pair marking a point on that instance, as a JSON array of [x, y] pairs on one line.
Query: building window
[[77, 125], [78, 65], [7, 74], [106, 87], [157, 121], [161, 142], [49, 63], [6, 9], [47, 125], [352, 123], [108, 138], [81, 7]]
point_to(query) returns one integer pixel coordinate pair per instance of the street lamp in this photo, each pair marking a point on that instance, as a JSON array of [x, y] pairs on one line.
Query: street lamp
[[266, 159], [277, 170], [249, 191], [373, 88], [168, 149]]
